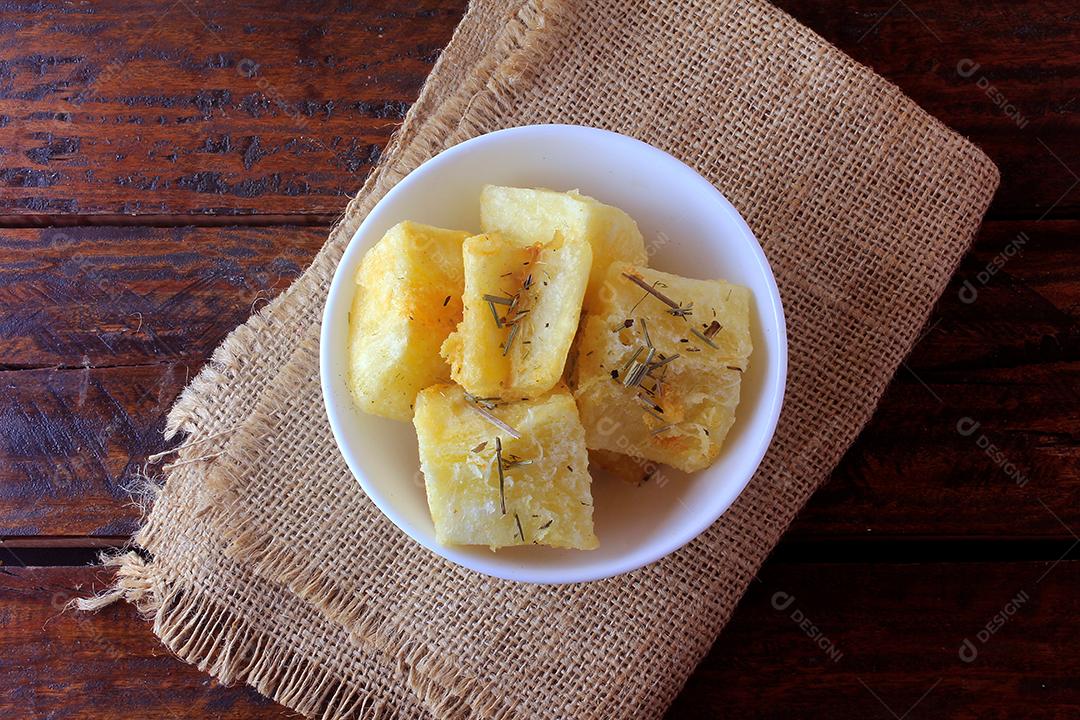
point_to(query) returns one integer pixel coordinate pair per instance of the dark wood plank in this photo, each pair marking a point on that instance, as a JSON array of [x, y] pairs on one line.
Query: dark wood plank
[[121, 296], [894, 631], [1014, 302], [116, 320], [912, 471], [205, 108], [1003, 74], [1009, 361], [884, 641], [72, 443], [73, 665], [142, 111], [1001, 350]]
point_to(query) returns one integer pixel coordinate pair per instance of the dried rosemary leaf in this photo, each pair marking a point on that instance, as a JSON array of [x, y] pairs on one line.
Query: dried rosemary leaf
[[488, 402], [635, 374], [502, 478], [496, 421], [648, 404], [683, 310], [707, 340], [651, 289], [662, 362], [631, 361], [510, 338], [495, 314], [645, 330]]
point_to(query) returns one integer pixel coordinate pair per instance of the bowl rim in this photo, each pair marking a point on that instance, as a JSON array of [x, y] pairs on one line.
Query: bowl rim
[[775, 382]]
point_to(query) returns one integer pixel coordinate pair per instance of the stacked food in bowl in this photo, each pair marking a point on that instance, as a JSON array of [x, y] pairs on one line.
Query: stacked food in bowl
[[534, 349]]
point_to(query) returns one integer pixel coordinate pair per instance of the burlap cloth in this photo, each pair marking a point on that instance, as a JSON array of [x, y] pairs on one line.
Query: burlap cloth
[[263, 560]]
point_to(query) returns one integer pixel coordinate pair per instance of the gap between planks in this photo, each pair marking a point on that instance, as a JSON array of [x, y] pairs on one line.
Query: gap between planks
[[58, 551], [17, 222]]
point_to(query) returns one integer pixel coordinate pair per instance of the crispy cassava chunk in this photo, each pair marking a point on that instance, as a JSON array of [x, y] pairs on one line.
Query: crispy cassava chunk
[[659, 378], [535, 215], [545, 496], [408, 299], [522, 305]]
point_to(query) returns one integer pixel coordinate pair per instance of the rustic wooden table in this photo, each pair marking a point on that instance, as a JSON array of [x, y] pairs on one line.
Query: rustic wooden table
[[153, 191]]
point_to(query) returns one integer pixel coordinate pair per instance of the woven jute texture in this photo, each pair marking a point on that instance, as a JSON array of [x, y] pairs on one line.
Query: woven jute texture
[[270, 566]]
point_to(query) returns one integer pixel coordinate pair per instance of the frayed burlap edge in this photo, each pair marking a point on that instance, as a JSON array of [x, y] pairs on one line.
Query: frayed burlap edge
[[442, 688], [219, 643], [201, 632]]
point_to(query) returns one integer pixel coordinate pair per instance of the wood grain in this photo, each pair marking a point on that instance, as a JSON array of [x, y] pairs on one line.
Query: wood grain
[[125, 296], [203, 108], [887, 642], [257, 108], [1002, 350], [890, 631], [1002, 74], [73, 444], [61, 665]]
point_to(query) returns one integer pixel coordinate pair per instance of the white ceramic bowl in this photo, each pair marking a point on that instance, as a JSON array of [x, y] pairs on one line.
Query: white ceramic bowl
[[689, 228]]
